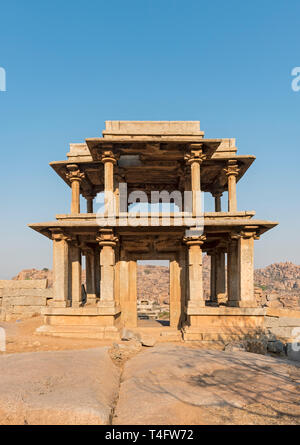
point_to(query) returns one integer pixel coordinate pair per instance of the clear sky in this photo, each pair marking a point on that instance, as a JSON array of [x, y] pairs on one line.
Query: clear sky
[[71, 65]]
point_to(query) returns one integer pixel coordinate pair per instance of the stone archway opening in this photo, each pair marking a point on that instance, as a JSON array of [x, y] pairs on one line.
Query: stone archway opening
[[153, 293]]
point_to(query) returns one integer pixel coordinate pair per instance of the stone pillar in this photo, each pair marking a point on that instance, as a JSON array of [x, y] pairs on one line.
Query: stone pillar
[[60, 269], [232, 171], [195, 279], [241, 262], [195, 159], [107, 242], [213, 297], [175, 294], [75, 177], [97, 271], [90, 275], [109, 160], [89, 201], [246, 269], [220, 278], [217, 195], [75, 267], [233, 291]]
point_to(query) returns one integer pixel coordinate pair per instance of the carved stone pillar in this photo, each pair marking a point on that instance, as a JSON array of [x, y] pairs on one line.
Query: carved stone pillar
[[97, 270], [107, 242], [75, 177], [195, 159], [75, 268], [60, 269], [217, 195], [89, 196], [109, 160], [246, 269], [195, 279], [233, 282], [220, 275], [90, 275], [242, 261], [213, 297], [232, 171]]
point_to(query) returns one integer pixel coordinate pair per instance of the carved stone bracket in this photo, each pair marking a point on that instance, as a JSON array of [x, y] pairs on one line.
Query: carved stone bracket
[[232, 168], [107, 238], [74, 173], [194, 240], [195, 155]]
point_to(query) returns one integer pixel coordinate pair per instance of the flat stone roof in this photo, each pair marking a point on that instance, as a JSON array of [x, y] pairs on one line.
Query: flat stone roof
[[171, 128]]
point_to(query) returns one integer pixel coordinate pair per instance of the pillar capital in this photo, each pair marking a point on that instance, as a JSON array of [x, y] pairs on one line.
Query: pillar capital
[[89, 194], [108, 156], [217, 193], [232, 168], [106, 237], [195, 154], [194, 240], [85, 249], [247, 234], [59, 235], [74, 173]]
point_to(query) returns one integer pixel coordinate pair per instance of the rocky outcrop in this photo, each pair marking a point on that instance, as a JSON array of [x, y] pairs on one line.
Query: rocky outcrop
[[58, 388], [179, 385]]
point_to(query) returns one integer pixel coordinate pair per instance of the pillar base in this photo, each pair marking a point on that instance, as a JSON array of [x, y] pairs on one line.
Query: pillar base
[[222, 298], [193, 307], [91, 301]]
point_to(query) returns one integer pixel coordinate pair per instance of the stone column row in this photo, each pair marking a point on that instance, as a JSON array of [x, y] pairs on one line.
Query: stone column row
[[75, 176], [67, 270], [240, 270]]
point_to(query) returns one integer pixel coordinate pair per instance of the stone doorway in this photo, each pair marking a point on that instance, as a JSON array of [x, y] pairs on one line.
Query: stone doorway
[[129, 295], [153, 293]]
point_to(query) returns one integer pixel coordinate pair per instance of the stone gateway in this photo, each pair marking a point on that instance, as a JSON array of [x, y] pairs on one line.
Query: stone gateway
[[153, 160]]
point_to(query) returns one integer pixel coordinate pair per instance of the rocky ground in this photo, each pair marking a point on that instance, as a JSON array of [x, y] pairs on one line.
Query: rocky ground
[[46, 380]]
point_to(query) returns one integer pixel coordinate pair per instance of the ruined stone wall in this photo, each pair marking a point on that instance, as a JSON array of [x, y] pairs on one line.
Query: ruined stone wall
[[23, 298], [283, 332]]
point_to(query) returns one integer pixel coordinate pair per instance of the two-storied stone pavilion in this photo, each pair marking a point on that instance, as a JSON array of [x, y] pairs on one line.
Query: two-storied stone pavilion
[[153, 157]]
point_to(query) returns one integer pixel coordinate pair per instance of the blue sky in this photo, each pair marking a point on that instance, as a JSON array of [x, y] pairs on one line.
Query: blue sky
[[72, 65]]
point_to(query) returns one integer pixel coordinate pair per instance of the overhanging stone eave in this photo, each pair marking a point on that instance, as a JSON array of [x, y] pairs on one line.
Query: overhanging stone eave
[[227, 225]]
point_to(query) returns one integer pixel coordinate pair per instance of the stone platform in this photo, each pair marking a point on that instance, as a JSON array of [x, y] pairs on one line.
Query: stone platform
[[209, 324]]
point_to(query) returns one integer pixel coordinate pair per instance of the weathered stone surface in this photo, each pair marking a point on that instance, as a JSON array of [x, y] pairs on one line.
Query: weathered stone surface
[[23, 284], [25, 301], [172, 385], [11, 292], [60, 388], [147, 340]]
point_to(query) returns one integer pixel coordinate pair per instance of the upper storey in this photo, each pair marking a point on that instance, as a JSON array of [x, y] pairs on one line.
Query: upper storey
[[153, 154]]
